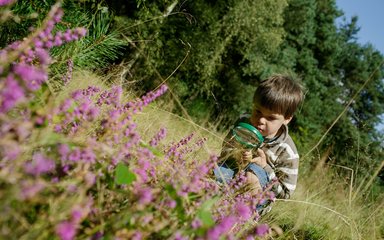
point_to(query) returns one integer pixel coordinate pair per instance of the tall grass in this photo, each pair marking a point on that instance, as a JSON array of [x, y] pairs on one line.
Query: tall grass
[[323, 207], [326, 205]]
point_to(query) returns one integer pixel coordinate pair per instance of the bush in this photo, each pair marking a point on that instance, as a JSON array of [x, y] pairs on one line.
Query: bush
[[78, 167]]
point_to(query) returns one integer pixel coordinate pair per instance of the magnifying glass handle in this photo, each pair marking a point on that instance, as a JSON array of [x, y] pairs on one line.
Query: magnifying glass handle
[[247, 155]]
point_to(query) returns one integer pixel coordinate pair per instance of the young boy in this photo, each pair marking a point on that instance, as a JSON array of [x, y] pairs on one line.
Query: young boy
[[274, 103]]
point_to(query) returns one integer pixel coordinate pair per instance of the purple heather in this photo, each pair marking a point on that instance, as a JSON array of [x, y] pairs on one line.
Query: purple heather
[[6, 2], [32, 76], [11, 94], [40, 164], [261, 230], [66, 230]]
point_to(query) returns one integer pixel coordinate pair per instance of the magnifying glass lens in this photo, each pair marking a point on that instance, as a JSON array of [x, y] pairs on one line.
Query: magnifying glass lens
[[247, 135]]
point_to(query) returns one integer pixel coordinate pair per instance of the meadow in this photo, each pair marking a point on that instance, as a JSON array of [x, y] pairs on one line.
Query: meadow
[[90, 158]]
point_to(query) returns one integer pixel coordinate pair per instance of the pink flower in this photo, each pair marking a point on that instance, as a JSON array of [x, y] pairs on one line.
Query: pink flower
[[66, 230], [222, 228], [261, 230], [227, 223], [196, 224], [57, 15], [179, 236], [160, 135], [145, 196], [171, 203], [90, 179], [137, 235], [75, 155], [67, 36], [30, 189], [81, 31], [146, 99], [77, 215], [32, 76], [11, 152], [40, 164], [5, 2], [87, 155], [243, 210], [11, 94], [43, 56], [63, 150], [214, 233], [57, 40]]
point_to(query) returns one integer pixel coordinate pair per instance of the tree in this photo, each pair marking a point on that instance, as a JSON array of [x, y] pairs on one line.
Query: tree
[[229, 44], [335, 68]]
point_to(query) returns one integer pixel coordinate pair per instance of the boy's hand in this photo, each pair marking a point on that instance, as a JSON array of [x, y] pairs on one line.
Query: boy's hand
[[261, 159], [246, 156]]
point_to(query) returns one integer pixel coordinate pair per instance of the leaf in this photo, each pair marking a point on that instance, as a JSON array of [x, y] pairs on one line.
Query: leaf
[[124, 175], [206, 218], [204, 212]]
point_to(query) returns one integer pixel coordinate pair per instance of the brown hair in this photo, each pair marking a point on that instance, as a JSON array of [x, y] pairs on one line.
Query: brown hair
[[279, 93]]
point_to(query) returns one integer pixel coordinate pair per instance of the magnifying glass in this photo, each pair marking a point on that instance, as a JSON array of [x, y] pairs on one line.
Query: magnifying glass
[[247, 135]]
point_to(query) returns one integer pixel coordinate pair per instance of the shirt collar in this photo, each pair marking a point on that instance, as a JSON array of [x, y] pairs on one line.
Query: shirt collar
[[278, 138]]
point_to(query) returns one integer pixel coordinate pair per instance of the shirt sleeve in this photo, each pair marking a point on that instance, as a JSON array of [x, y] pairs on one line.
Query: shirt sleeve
[[285, 170]]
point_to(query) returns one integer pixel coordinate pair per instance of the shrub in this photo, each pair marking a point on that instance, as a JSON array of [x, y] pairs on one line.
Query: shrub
[[80, 168]]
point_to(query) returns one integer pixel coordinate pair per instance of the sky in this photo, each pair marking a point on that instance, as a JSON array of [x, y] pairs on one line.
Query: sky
[[370, 20]]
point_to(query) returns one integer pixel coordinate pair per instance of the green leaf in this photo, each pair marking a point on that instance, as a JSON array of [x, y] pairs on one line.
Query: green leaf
[[206, 218], [204, 212], [124, 175]]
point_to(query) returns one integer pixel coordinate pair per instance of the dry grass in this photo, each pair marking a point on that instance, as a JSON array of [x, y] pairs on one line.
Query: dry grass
[[323, 208], [324, 205], [155, 117]]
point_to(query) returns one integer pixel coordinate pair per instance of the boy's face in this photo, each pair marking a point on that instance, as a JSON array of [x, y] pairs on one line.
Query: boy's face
[[267, 121]]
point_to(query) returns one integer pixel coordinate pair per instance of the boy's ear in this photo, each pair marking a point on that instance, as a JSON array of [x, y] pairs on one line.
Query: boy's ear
[[287, 120]]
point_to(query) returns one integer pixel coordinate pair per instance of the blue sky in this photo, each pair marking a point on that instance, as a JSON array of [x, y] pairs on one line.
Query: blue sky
[[371, 20]]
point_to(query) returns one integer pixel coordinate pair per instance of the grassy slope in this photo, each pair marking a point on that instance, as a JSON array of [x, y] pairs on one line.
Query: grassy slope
[[323, 207]]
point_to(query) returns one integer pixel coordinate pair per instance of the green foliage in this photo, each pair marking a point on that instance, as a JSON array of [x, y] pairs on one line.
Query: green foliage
[[220, 51], [333, 68], [204, 212], [23, 15], [225, 43], [124, 175], [101, 47], [217, 52]]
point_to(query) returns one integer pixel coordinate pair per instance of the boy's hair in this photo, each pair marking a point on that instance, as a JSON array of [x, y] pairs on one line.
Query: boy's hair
[[279, 93]]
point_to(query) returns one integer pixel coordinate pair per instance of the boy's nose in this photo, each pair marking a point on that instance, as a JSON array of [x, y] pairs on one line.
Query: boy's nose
[[262, 120]]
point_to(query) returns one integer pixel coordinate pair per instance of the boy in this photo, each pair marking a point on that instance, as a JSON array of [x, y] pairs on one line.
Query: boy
[[275, 101]]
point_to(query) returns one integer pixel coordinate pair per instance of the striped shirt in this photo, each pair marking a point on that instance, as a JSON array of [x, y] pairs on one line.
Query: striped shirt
[[282, 159]]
